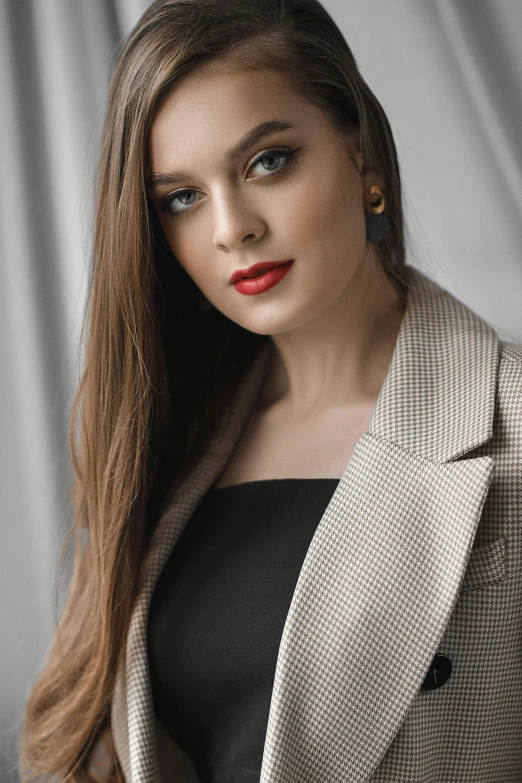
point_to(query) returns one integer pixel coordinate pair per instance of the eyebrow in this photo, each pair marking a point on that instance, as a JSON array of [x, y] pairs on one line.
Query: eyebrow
[[243, 145]]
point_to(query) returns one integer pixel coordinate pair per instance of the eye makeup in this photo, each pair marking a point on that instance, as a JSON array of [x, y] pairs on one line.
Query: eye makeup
[[288, 155]]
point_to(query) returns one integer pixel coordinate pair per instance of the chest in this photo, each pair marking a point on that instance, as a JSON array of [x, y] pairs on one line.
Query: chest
[[272, 445]]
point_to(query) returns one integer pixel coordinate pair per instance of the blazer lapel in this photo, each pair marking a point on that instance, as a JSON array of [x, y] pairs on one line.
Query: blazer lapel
[[383, 570], [382, 573]]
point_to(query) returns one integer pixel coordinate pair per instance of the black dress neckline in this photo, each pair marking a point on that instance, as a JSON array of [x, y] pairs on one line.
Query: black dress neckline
[[254, 483]]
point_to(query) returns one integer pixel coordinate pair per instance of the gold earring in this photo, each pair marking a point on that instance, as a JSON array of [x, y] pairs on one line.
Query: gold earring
[[375, 200], [376, 222]]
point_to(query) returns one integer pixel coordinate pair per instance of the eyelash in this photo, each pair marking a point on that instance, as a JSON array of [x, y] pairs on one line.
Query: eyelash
[[286, 154]]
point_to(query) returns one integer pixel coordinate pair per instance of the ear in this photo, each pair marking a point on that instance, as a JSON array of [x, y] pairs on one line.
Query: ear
[[373, 178], [352, 144], [358, 160], [355, 140]]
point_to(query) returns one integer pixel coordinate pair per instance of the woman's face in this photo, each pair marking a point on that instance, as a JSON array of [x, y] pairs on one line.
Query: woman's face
[[294, 193]]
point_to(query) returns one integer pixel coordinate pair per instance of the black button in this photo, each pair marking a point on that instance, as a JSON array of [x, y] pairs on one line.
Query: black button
[[438, 673]]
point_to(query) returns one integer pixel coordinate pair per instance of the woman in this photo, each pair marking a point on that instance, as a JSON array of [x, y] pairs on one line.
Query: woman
[[298, 496]]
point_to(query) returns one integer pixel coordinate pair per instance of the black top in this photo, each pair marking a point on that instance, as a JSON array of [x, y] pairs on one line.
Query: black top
[[217, 615]]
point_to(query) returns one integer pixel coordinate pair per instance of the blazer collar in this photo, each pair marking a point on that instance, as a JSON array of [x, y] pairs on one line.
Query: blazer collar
[[384, 566]]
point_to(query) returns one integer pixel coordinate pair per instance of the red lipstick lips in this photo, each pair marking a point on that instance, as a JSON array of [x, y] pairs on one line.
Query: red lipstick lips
[[255, 269], [267, 275]]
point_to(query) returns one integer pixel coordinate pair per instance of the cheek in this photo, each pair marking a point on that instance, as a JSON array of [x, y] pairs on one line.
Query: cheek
[[328, 211]]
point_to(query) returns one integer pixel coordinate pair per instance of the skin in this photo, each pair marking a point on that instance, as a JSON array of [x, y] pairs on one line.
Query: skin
[[335, 317]]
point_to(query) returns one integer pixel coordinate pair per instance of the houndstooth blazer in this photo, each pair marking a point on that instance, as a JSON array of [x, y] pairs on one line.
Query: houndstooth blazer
[[401, 654]]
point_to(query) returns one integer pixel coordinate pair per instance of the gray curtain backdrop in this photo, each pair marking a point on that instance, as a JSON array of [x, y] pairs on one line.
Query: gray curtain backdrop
[[448, 74]]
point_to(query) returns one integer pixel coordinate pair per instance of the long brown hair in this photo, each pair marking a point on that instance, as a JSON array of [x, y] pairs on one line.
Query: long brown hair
[[148, 398]]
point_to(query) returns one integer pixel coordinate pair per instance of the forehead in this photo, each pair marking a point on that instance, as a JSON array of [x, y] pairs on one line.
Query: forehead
[[208, 110]]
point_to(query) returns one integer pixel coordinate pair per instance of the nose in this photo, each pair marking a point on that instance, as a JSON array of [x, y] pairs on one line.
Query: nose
[[235, 221]]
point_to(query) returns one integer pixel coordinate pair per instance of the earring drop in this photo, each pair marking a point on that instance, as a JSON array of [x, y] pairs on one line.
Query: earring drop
[[376, 221]]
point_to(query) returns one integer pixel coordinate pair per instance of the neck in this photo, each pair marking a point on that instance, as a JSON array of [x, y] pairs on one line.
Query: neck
[[341, 357]]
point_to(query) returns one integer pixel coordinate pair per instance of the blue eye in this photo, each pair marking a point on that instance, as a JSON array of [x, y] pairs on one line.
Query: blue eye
[[284, 154]]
